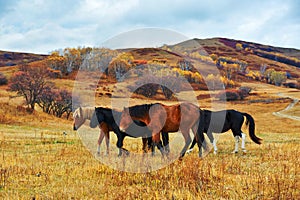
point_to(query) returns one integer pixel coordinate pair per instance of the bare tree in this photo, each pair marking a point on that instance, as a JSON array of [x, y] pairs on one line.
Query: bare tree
[[29, 82]]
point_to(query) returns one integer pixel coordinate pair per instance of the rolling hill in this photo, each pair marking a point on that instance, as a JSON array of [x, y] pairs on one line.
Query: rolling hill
[[256, 55], [232, 51]]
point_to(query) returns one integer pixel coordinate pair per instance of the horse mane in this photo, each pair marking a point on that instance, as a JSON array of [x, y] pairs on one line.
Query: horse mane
[[103, 109], [108, 110], [87, 112], [140, 111]]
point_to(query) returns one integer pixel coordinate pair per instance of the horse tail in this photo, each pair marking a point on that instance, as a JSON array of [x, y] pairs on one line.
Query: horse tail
[[251, 123], [200, 130]]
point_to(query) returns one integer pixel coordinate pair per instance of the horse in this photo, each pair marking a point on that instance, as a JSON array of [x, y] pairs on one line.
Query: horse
[[80, 115], [233, 120], [110, 117], [159, 117]]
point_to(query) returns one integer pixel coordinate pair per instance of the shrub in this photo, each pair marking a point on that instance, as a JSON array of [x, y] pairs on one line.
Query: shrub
[[147, 90], [244, 91], [232, 95], [3, 79], [228, 95], [148, 86]]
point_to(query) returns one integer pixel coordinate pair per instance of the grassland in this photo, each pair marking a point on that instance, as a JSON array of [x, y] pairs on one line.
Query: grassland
[[37, 161]]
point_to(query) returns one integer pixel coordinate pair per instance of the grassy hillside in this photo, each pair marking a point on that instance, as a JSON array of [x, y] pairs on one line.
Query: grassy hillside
[[15, 58], [39, 161], [227, 47]]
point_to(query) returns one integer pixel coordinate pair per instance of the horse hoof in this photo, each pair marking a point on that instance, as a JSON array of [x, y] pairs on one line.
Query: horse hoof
[[215, 152], [244, 150], [127, 153], [189, 151], [235, 152]]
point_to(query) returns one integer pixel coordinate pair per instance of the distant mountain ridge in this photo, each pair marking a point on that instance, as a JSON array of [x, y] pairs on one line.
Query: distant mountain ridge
[[254, 54], [8, 58]]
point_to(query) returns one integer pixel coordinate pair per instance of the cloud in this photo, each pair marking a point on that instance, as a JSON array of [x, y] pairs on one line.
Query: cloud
[[42, 26]]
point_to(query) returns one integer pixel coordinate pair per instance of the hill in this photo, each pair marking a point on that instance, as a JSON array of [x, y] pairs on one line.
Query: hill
[[15, 58], [256, 55]]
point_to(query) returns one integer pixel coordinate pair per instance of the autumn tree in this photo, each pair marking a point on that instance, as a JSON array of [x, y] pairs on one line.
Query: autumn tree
[[98, 59], [62, 103], [185, 65], [55, 101], [46, 99], [229, 69], [277, 77], [29, 82], [214, 82], [56, 61], [239, 46], [73, 60], [119, 66]]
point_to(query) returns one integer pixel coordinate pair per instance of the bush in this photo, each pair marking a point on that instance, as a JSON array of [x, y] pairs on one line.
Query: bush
[[244, 91], [228, 95], [232, 95], [147, 90], [3, 79]]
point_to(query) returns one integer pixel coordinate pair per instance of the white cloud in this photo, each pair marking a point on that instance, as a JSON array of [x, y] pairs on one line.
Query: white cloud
[[41, 26]]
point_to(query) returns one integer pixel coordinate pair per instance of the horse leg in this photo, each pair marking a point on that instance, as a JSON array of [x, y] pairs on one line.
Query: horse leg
[[156, 140], [107, 142], [188, 141], [165, 137], [145, 141], [151, 146], [194, 130], [120, 145], [237, 141], [243, 142], [192, 146], [212, 141], [100, 139]]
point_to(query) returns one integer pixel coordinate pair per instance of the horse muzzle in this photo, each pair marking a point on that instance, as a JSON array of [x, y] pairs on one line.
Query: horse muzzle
[[74, 128], [122, 129]]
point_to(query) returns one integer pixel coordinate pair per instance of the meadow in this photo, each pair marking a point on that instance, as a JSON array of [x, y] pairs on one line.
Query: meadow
[[41, 157]]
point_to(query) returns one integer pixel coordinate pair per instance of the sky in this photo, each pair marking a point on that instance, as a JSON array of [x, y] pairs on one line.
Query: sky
[[41, 26]]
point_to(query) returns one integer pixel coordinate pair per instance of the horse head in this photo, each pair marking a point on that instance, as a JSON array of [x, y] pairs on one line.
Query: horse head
[[78, 118]]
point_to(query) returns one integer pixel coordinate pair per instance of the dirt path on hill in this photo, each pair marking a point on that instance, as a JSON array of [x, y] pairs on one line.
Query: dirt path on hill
[[290, 106]]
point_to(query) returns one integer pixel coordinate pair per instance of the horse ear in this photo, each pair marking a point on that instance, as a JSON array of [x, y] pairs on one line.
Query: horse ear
[[80, 111]]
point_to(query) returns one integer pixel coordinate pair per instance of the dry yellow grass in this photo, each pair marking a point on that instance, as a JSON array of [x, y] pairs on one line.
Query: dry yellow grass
[[38, 161]]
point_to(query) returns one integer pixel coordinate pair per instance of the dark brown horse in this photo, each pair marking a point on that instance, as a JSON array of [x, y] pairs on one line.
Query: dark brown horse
[[108, 120], [165, 119]]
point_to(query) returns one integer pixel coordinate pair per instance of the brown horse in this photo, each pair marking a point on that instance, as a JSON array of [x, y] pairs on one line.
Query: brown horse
[[165, 119], [82, 114]]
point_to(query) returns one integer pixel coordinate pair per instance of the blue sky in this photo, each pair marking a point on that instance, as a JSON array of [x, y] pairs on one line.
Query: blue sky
[[41, 26]]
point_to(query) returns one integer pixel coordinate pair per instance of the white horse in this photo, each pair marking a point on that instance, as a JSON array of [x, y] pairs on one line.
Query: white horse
[[82, 114]]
